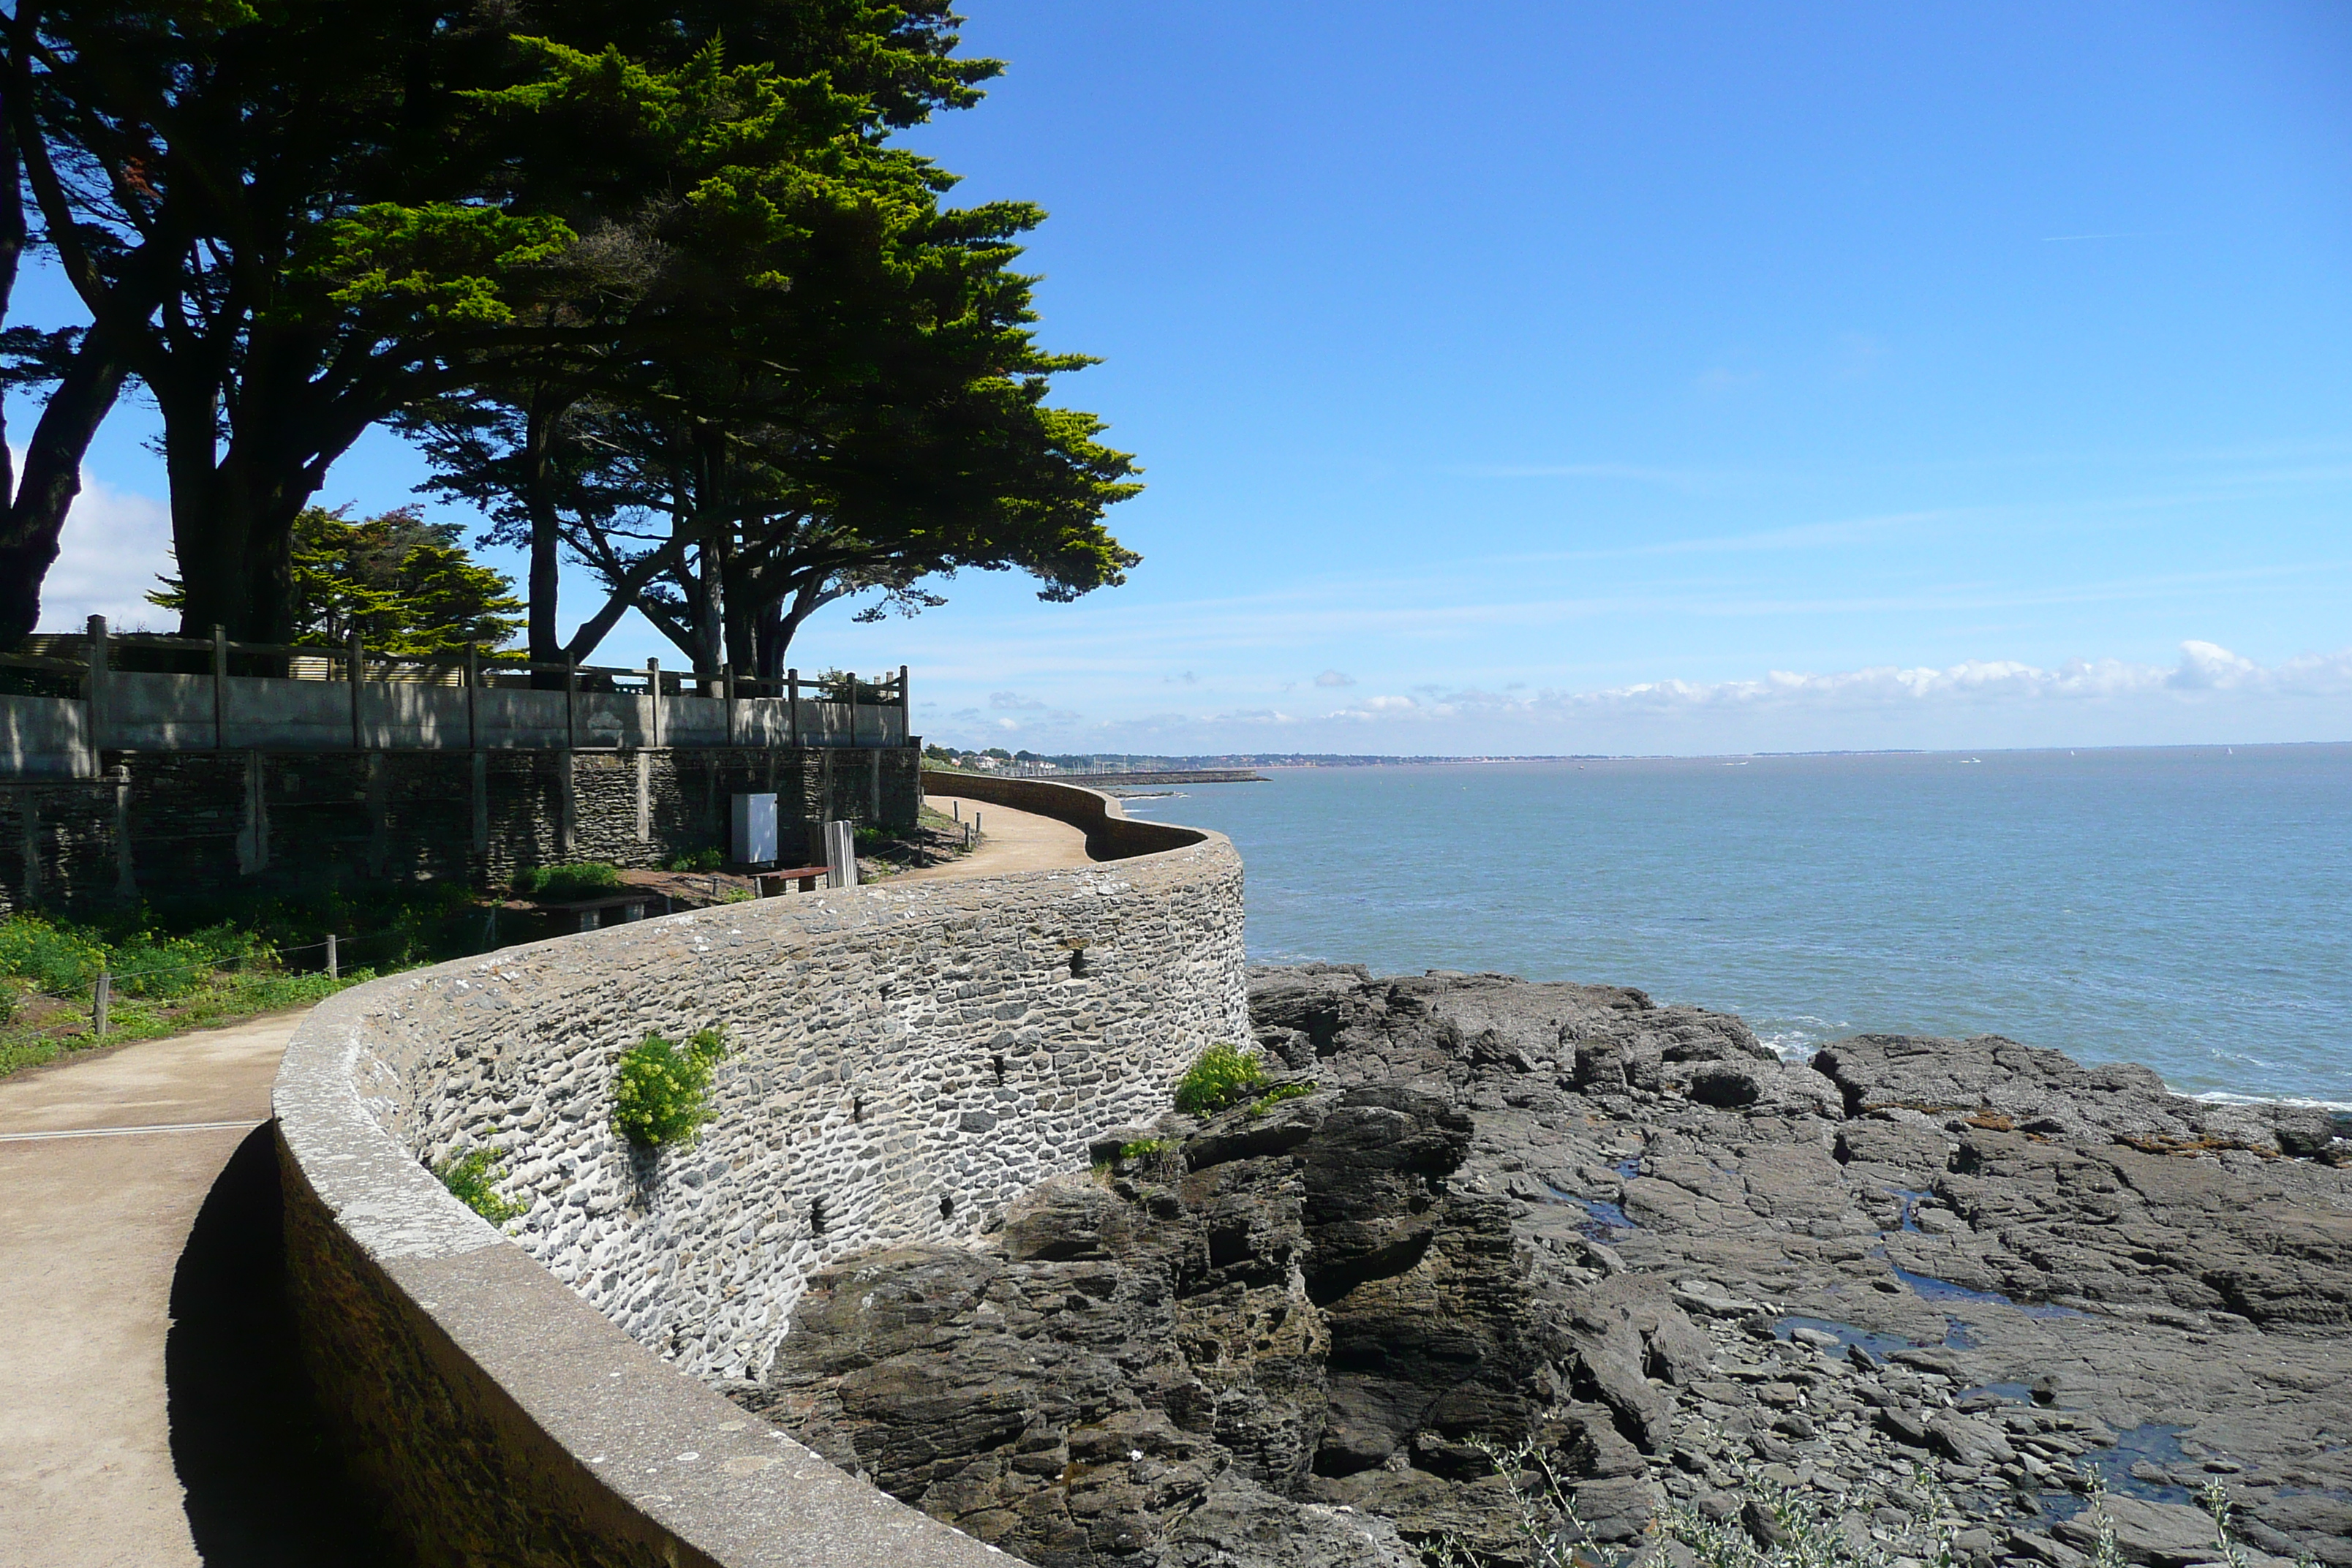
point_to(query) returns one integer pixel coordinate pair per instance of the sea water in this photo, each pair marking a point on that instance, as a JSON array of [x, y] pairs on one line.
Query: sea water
[[2187, 907]]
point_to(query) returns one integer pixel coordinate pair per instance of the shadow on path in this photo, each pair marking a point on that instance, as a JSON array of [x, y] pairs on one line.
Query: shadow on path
[[264, 1487]]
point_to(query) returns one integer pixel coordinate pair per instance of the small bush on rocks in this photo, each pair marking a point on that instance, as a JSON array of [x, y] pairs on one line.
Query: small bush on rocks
[[698, 861], [1223, 1076], [469, 1179], [1276, 1095], [583, 880], [661, 1090]]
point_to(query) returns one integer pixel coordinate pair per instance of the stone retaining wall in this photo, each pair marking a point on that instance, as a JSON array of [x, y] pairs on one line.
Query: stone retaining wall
[[902, 1062], [292, 822]]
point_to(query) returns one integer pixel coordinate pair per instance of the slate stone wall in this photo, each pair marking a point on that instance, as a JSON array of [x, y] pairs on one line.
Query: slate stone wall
[[902, 1062], [168, 826]]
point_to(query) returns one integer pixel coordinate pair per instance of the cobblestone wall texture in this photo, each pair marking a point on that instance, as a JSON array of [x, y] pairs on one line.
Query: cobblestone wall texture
[[901, 1063], [164, 826]]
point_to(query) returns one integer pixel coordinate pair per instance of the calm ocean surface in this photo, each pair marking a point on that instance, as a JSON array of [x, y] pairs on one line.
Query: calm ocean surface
[[2190, 908]]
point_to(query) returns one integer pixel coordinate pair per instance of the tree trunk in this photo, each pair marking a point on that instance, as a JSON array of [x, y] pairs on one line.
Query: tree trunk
[[35, 513]]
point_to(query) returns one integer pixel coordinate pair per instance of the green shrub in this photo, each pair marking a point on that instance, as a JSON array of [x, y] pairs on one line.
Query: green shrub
[[661, 1090], [583, 880], [1276, 1095], [1143, 1149], [695, 860], [469, 1179], [60, 961], [1221, 1077]]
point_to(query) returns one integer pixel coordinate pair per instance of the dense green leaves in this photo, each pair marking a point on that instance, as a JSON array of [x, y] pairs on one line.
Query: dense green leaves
[[651, 279]]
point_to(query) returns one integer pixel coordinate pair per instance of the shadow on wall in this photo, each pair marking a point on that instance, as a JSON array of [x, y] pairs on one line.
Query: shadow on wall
[[264, 1487]]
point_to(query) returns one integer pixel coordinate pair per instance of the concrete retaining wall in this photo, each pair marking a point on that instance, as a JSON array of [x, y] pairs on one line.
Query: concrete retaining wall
[[902, 1061], [163, 824], [141, 710]]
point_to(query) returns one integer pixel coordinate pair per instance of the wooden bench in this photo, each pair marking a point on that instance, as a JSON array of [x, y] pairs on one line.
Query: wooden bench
[[808, 876]]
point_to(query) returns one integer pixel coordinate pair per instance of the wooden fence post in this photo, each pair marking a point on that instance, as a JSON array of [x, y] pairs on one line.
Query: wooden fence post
[[793, 703], [101, 998], [905, 709], [334, 961], [220, 690], [653, 687], [571, 695], [97, 694], [358, 657], [727, 685], [473, 697]]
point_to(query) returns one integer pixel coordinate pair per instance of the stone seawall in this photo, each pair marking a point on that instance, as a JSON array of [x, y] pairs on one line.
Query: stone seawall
[[901, 1063], [281, 822]]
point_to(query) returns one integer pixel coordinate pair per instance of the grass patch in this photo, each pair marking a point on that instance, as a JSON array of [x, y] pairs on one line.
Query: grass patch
[[469, 1178], [1221, 1077], [36, 1035], [194, 964], [1276, 1095], [583, 879], [661, 1089]]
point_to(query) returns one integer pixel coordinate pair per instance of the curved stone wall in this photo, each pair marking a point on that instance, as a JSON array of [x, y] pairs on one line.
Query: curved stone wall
[[902, 1061]]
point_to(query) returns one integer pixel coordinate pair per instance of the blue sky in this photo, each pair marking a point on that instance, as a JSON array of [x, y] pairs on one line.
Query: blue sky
[[1535, 378]]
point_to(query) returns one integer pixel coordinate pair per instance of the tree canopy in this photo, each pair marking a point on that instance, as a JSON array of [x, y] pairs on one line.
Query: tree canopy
[[403, 585], [650, 281]]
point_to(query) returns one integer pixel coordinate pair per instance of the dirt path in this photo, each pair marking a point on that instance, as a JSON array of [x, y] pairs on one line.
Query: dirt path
[[107, 1164], [1010, 840]]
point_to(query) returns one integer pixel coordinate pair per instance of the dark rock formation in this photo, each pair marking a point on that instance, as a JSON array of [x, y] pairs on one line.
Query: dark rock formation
[[1631, 1235]]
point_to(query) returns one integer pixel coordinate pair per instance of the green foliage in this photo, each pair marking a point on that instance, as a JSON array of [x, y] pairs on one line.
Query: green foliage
[[404, 584], [1219, 1077], [469, 1180], [661, 1090], [1276, 1095], [61, 961], [1143, 1149], [693, 860], [582, 879]]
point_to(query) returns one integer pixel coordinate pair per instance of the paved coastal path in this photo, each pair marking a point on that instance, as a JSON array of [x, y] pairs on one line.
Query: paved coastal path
[[105, 1164], [1010, 840], [147, 1403]]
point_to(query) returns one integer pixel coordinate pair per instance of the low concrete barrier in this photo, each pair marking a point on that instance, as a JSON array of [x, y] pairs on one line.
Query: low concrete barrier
[[902, 1062], [1111, 834]]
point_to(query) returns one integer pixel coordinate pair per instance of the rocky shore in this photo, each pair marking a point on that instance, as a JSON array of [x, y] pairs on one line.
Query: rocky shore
[[1911, 1278]]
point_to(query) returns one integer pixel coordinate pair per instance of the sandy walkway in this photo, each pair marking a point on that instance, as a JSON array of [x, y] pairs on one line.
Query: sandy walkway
[[89, 1239], [1010, 840]]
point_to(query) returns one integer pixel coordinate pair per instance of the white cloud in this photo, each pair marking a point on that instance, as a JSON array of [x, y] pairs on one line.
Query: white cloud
[[115, 546], [1012, 701], [1333, 678]]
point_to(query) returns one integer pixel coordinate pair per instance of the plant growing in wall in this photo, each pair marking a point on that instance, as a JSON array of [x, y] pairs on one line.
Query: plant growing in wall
[[469, 1178], [661, 1088]]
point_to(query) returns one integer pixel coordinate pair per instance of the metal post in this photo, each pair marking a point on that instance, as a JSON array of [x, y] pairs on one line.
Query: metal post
[[97, 715], [653, 686], [100, 998], [571, 692], [793, 703], [334, 961], [358, 657], [220, 689], [473, 697]]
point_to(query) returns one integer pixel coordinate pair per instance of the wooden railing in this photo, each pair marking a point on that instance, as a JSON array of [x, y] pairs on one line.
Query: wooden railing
[[148, 691]]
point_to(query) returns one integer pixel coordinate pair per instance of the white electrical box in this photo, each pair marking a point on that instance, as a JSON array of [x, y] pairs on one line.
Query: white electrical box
[[755, 829]]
